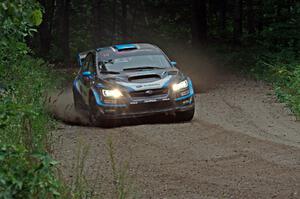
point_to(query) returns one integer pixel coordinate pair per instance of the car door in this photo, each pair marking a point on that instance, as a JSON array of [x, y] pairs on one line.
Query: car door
[[85, 81]]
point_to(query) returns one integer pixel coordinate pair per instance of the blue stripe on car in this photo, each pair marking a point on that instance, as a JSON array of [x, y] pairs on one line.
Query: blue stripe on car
[[125, 47], [75, 84], [100, 86], [191, 93]]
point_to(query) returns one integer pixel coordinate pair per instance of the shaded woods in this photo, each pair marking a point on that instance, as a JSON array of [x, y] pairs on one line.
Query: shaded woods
[[70, 26]]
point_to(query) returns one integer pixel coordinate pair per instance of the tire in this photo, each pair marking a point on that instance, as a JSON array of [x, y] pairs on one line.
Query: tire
[[76, 97], [185, 116], [95, 115]]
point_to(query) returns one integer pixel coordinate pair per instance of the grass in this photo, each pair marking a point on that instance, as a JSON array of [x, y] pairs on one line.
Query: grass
[[122, 184], [281, 69], [86, 184], [27, 170], [284, 74]]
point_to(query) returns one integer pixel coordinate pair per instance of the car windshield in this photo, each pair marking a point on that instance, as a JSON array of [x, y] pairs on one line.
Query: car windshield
[[141, 62]]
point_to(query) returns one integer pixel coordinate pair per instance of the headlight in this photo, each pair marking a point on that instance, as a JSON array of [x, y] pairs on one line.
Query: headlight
[[112, 93], [180, 85]]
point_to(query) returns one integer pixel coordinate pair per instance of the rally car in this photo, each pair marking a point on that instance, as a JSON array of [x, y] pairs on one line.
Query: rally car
[[129, 81]]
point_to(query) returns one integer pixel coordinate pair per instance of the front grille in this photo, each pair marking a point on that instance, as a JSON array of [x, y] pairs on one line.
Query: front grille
[[150, 106], [149, 93]]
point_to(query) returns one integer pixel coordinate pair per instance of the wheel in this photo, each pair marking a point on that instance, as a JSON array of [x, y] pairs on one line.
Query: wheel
[[76, 99], [94, 112], [95, 115], [185, 116]]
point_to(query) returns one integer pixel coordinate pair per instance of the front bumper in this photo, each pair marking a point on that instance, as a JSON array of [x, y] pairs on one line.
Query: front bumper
[[147, 108], [163, 103]]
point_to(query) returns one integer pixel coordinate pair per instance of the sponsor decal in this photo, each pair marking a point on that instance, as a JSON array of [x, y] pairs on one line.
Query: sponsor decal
[[149, 92], [151, 100]]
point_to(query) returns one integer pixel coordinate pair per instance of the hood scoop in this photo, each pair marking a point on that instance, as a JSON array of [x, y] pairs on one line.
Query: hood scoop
[[172, 72], [144, 78]]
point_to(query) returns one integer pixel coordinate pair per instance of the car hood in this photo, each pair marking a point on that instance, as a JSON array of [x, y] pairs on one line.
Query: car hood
[[142, 80]]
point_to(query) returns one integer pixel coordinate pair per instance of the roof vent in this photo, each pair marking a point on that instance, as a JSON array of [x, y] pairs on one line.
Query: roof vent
[[123, 47]]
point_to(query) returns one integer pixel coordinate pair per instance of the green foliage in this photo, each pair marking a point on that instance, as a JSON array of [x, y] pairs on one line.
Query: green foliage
[[22, 78], [281, 69], [25, 82], [284, 72], [282, 34], [36, 17], [26, 171], [26, 175], [18, 17]]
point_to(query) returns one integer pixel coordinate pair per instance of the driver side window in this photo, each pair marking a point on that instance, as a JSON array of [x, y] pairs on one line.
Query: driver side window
[[91, 64], [85, 64]]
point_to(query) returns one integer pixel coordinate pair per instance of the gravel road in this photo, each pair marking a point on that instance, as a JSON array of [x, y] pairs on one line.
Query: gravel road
[[241, 143]]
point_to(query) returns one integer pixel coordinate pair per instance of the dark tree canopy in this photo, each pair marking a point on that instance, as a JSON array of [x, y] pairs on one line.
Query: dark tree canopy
[[70, 26]]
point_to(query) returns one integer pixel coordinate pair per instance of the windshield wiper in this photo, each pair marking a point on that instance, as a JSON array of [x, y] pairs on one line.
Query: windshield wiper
[[142, 68], [109, 72]]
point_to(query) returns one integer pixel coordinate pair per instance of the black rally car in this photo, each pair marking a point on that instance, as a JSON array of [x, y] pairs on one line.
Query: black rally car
[[131, 80]]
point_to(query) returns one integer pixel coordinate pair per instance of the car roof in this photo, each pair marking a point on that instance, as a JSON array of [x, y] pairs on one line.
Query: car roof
[[126, 50]]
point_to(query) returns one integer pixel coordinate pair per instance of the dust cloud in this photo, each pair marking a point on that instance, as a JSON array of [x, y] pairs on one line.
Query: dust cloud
[[202, 67], [60, 105]]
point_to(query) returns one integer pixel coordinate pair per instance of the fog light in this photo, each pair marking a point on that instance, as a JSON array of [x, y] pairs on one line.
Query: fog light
[[184, 93]]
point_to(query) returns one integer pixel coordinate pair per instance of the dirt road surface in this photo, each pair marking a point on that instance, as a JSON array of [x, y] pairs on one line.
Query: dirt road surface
[[241, 143]]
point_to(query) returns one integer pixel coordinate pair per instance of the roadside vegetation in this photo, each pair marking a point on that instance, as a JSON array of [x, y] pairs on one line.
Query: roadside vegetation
[[272, 54], [26, 169]]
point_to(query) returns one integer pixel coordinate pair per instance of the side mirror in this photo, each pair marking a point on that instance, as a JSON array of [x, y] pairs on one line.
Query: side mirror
[[174, 63], [86, 74]]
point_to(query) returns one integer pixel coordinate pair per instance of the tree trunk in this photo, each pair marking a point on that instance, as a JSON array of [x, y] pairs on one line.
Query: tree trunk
[[223, 17], [199, 22], [114, 21], [238, 21], [259, 22], [124, 20], [97, 26], [134, 7], [202, 23], [250, 17], [45, 29], [65, 31]]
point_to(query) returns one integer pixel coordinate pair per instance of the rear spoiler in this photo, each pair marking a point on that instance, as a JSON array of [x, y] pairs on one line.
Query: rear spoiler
[[81, 57]]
